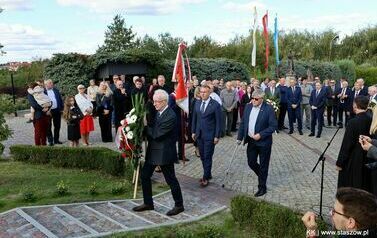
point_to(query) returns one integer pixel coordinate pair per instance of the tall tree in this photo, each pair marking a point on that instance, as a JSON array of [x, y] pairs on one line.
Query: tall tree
[[118, 37]]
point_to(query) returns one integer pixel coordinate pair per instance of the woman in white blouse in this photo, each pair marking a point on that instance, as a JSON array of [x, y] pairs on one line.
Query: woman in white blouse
[[84, 103]]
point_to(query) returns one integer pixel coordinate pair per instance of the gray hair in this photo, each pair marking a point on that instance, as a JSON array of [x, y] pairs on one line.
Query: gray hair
[[258, 93], [161, 94]]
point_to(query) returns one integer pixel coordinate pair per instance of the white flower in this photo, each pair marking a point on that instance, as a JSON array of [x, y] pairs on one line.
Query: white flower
[[130, 135], [132, 119], [122, 122], [128, 128], [132, 111]]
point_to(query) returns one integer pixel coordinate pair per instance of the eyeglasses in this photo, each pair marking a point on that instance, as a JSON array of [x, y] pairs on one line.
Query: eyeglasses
[[256, 99], [333, 212]]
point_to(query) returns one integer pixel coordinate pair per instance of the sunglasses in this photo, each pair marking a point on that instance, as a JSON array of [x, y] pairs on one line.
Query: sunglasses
[[256, 99]]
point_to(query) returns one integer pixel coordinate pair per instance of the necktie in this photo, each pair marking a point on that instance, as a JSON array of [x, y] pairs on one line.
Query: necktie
[[202, 108], [293, 90], [356, 94], [317, 93], [272, 91]]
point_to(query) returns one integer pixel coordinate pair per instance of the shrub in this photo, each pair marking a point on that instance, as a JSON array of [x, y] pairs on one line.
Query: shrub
[[267, 220], [29, 196], [324, 70], [347, 67], [369, 74], [93, 189], [119, 188], [215, 68], [61, 188], [94, 158], [242, 208]]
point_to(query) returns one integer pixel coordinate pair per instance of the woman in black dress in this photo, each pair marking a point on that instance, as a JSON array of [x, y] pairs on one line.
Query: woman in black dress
[[72, 114], [104, 109]]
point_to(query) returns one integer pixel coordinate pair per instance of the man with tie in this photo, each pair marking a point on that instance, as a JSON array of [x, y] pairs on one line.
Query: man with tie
[[282, 88], [271, 91], [363, 88], [161, 151], [317, 103], [294, 98], [343, 95], [206, 130], [306, 91], [356, 91], [331, 104], [372, 93], [256, 129]]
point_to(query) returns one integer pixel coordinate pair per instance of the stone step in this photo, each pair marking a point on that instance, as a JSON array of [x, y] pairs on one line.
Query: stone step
[[13, 225], [55, 222]]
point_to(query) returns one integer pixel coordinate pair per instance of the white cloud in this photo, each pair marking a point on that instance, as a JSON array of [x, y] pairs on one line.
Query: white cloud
[[245, 7], [22, 42], [16, 4], [137, 7]]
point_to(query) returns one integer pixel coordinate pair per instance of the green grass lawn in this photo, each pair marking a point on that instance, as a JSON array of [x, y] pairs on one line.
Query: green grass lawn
[[17, 178]]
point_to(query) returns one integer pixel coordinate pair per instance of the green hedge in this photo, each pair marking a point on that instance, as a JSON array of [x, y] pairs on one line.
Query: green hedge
[[324, 70], [369, 74], [215, 68], [347, 67], [92, 158], [268, 220]]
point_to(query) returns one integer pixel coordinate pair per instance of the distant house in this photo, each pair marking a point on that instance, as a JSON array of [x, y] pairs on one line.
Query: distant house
[[14, 66]]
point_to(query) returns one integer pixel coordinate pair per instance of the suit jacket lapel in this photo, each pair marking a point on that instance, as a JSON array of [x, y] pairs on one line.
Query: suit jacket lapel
[[261, 111]]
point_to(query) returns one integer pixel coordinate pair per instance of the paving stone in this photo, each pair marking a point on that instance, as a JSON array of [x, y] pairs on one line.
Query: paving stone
[[12, 225]]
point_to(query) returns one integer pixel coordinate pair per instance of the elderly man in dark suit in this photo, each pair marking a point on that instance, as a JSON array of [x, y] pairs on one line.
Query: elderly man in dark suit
[[256, 128], [206, 129], [56, 112], [161, 152], [317, 103], [294, 98], [344, 96]]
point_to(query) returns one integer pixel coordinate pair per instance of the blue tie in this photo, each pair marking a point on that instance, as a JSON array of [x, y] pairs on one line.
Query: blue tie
[[202, 108]]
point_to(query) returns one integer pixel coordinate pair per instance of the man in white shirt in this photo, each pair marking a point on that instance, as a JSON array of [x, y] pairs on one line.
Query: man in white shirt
[[56, 110]]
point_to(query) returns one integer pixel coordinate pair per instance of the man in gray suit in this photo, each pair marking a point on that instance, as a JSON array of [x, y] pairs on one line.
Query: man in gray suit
[[160, 152], [306, 90], [272, 91]]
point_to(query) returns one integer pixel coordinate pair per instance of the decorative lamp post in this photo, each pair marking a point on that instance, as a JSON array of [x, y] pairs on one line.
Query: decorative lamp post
[[336, 37], [13, 92]]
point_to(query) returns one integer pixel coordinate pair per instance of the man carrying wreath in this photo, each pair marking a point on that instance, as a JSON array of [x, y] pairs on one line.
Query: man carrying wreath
[[160, 152]]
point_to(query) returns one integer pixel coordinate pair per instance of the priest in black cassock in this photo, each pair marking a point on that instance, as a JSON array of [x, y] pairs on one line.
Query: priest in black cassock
[[352, 158]]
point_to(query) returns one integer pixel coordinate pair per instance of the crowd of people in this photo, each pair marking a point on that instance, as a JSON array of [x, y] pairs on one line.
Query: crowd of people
[[218, 109]]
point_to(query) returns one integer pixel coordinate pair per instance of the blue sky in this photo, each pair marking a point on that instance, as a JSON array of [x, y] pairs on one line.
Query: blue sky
[[35, 28]]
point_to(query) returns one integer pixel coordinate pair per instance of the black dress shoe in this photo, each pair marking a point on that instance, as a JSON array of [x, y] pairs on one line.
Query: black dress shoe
[[311, 134], [290, 132], [143, 207], [50, 144], [175, 211], [58, 143], [260, 192], [300, 132], [284, 127], [318, 136]]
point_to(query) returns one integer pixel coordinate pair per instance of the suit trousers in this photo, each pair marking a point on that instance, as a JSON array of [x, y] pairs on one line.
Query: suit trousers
[[332, 112], [41, 126], [170, 178], [56, 119], [293, 115], [105, 125], [227, 121], [261, 168], [283, 111], [342, 111], [235, 118], [305, 108], [206, 150], [317, 119]]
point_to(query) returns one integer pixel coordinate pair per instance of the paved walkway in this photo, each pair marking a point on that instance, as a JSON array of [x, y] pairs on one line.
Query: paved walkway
[[290, 182], [97, 219]]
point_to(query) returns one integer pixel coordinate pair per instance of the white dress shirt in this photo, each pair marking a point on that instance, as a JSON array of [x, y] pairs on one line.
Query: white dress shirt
[[52, 96], [253, 120]]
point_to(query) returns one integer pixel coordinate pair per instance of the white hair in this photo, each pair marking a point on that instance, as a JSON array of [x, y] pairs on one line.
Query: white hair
[[161, 94], [258, 93]]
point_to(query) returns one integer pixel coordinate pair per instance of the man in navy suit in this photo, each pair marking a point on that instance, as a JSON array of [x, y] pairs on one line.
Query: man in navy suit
[[282, 90], [294, 98], [363, 87], [343, 95], [56, 112], [256, 128], [317, 103], [206, 129]]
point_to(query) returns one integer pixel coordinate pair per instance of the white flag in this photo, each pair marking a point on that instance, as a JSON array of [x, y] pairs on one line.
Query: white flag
[[254, 51]]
